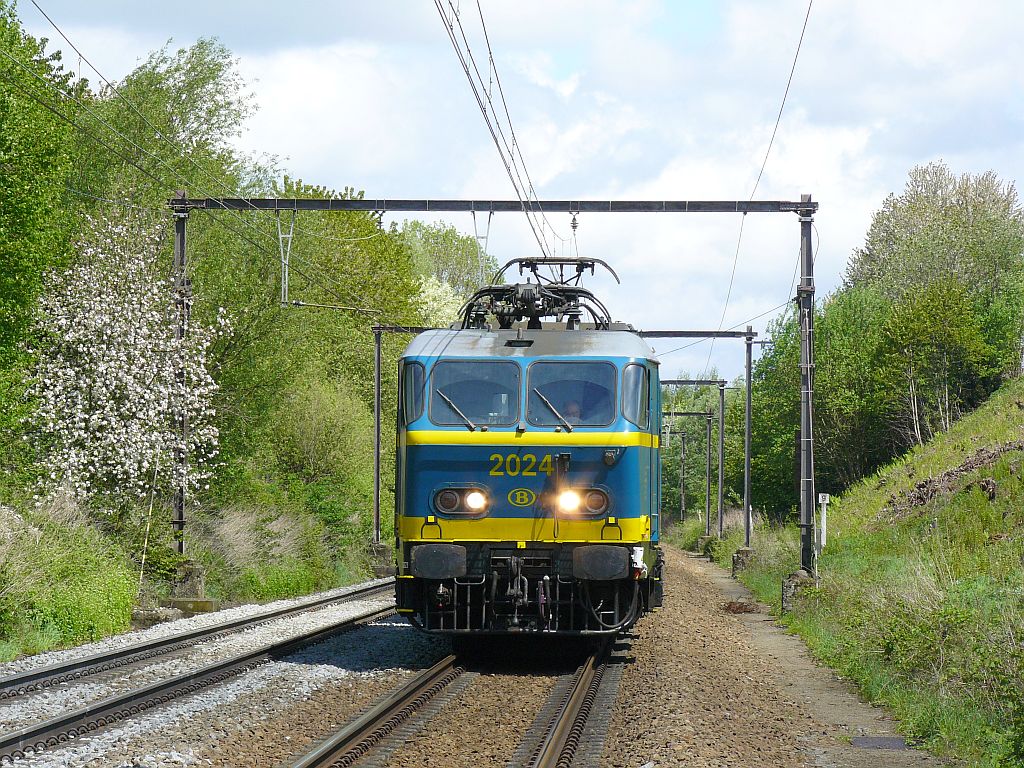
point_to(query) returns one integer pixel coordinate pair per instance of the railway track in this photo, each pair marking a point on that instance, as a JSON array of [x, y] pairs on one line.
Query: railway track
[[361, 735], [75, 669], [561, 736], [40, 736], [556, 744]]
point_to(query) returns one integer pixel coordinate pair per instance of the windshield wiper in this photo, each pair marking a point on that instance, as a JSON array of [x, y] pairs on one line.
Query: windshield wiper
[[561, 418], [454, 407]]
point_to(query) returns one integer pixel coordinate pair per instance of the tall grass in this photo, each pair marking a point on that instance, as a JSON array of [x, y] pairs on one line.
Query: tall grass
[[61, 581]]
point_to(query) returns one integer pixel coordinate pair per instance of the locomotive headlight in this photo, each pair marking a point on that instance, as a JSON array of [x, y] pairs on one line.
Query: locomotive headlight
[[596, 502], [568, 501], [476, 501], [447, 501]]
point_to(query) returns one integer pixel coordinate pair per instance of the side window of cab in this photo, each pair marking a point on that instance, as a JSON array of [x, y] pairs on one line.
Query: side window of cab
[[411, 399], [636, 395]]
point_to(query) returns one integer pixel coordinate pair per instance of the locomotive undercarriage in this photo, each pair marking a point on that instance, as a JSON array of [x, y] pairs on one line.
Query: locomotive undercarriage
[[506, 589]]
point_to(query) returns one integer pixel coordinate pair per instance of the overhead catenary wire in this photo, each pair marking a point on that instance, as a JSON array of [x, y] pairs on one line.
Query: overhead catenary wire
[[760, 173], [531, 191], [494, 129]]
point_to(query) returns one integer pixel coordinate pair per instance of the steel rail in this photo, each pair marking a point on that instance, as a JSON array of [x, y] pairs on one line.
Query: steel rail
[[64, 727], [354, 740], [74, 669], [561, 736]]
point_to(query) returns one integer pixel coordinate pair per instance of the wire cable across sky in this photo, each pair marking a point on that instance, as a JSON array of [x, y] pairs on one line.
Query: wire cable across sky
[[757, 182]]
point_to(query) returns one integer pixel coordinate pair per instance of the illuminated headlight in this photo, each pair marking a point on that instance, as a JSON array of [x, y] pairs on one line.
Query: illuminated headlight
[[476, 501], [568, 501]]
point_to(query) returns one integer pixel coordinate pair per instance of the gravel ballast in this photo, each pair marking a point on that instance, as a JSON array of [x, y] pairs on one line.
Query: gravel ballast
[[168, 629], [49, 702], [481, 727], [263, 717]]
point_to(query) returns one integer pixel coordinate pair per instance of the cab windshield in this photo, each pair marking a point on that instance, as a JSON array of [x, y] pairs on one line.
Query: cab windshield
[[571, 393], [469, 393]]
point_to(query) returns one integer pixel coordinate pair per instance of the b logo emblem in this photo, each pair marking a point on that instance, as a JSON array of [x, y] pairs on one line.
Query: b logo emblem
[[521, 497]]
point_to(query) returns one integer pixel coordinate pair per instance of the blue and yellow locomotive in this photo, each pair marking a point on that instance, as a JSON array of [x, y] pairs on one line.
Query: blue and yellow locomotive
[[528, 471]]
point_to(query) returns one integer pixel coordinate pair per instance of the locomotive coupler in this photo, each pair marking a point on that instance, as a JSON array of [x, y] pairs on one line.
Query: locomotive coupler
[[518, 586], [442, 597]]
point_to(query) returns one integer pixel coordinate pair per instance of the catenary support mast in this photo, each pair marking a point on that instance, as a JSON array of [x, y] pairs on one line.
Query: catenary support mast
[[182, 300], [805, 302]]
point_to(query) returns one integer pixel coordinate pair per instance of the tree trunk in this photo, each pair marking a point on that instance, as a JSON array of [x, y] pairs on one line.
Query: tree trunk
[[914, 411]]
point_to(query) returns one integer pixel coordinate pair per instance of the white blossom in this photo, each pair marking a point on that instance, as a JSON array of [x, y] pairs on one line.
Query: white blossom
[[438, 302], [112, 382]]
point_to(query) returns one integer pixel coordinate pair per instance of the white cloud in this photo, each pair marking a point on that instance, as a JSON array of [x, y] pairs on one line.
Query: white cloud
[[115, 51], [639, 100]]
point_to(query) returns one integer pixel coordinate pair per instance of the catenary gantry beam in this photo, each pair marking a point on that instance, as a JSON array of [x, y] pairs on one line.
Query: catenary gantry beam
[[492, 206]]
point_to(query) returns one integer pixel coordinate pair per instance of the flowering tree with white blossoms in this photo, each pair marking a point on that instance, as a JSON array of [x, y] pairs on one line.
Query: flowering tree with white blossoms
[[111, 382], [438, 302]]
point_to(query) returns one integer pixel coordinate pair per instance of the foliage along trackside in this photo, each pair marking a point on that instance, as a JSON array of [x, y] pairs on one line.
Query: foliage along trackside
[[921, 593], [929, 322], [279, 399]]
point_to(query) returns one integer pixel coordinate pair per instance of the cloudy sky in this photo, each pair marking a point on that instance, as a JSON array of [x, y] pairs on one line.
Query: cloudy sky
[[618, 100]]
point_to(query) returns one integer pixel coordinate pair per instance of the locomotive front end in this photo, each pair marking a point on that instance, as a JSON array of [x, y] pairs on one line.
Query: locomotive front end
[[527, 482]]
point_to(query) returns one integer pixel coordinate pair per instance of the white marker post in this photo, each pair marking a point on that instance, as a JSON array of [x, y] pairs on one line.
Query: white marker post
[[823, 500]]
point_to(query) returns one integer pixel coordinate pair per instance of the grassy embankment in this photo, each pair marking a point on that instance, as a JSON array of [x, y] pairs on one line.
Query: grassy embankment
[[921, 593]]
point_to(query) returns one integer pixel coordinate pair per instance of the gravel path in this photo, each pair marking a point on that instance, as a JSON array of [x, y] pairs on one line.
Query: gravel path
[[49, 702], [264, 717], [697, 693], [711, 688]]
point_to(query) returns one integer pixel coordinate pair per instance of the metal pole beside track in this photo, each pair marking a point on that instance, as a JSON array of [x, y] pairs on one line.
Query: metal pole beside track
[[707, 483], [181, 301], [747, 511], [805, 301], [377, 333], [682, 476], [721, 459]]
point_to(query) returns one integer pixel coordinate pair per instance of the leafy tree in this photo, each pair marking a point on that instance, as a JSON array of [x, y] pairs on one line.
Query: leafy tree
[[850, 396], [173, 118], [935, 347], [35, 160], [440, 250], [775, 413], [967, 227], [439, 304]]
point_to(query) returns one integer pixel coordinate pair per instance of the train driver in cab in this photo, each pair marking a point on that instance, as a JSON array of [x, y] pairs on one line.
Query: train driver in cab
[[572, 411]]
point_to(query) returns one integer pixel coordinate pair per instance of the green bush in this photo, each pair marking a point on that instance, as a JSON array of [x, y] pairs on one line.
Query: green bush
[[62, 582]]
